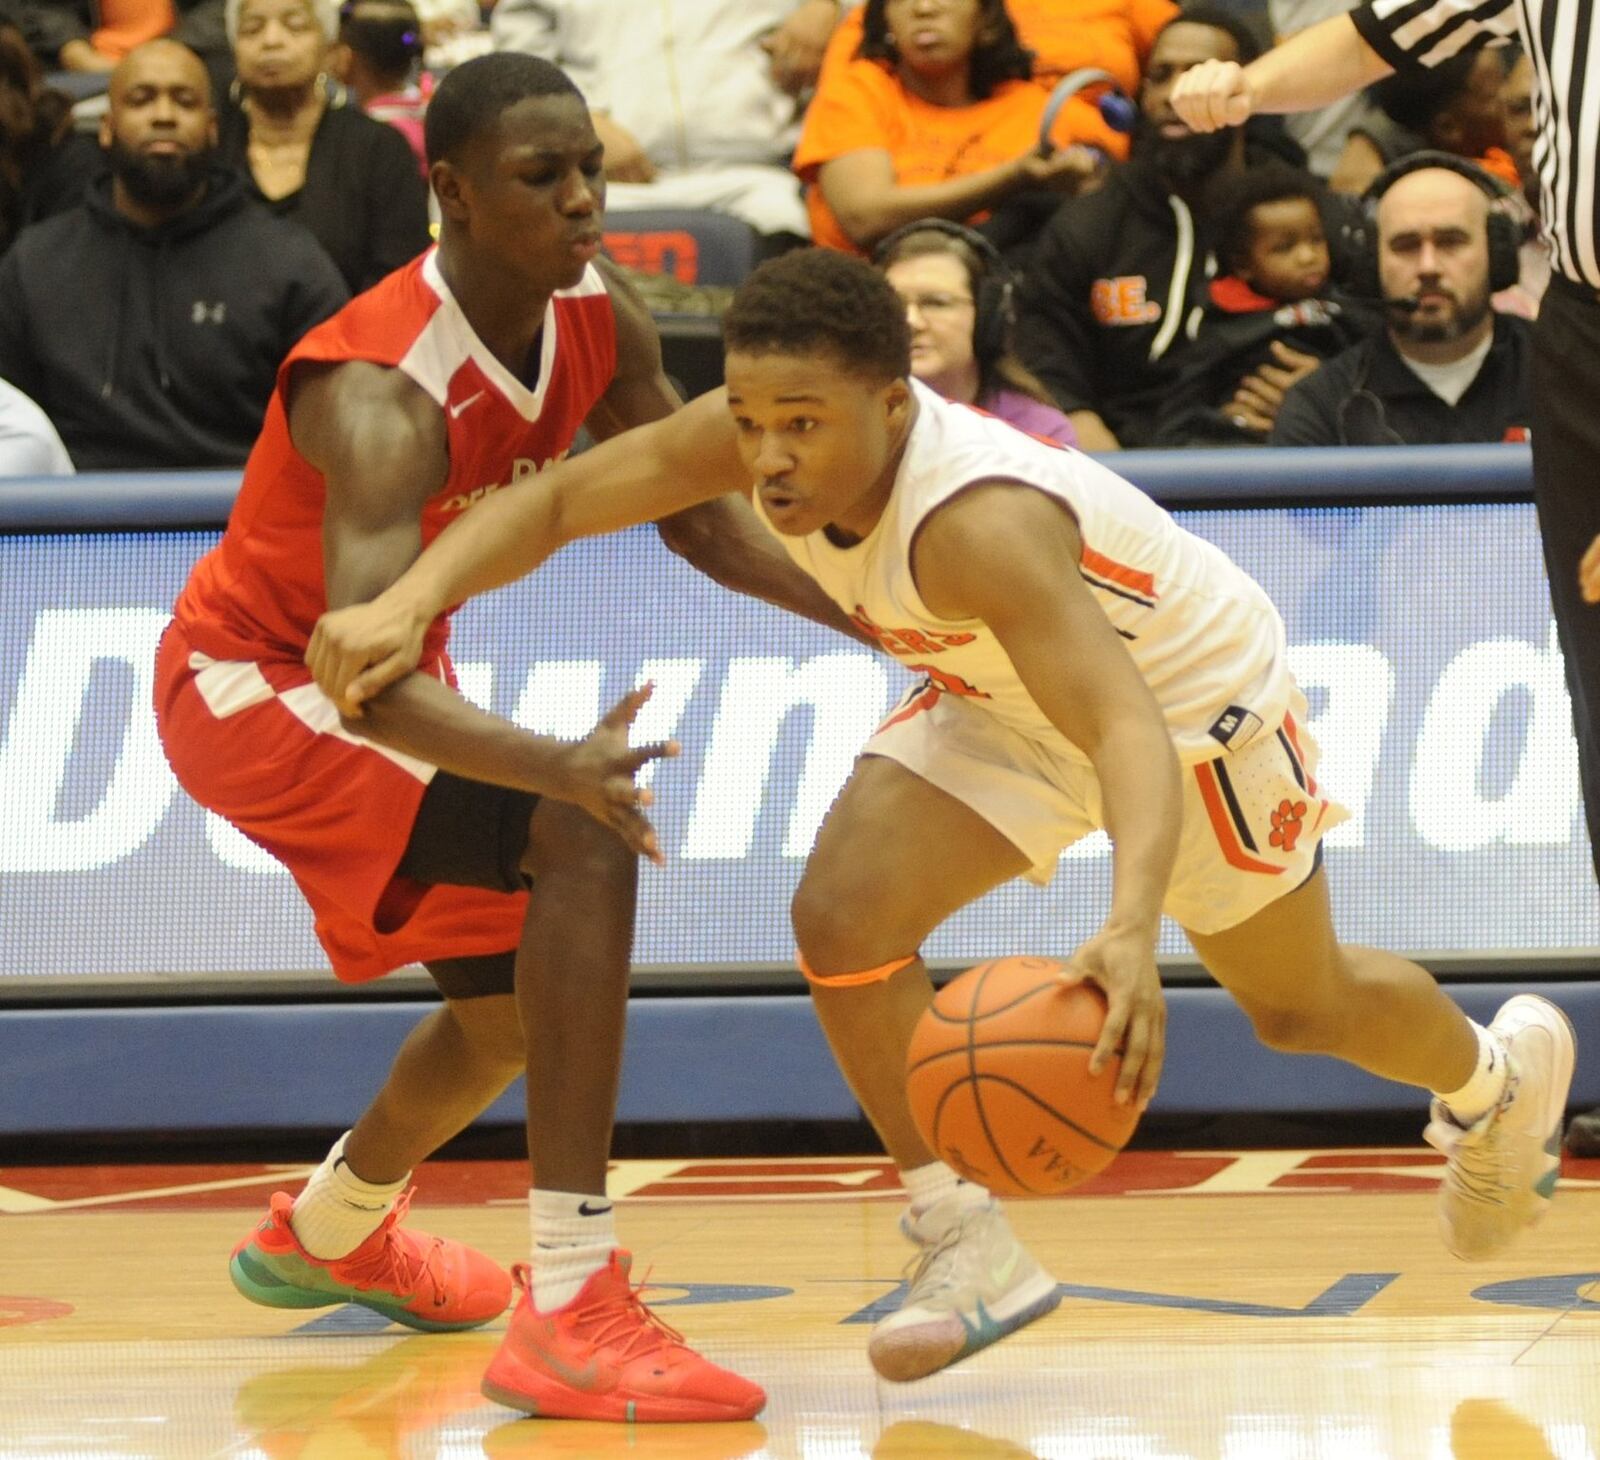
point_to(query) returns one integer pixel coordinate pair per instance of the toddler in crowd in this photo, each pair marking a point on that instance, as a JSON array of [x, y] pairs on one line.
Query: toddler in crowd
[[1272, 307]]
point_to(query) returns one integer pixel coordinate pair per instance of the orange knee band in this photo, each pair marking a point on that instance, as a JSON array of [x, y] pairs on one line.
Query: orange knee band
[[853, 980]]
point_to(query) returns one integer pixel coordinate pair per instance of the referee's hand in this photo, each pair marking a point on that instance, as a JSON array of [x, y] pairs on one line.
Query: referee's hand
[[1589, 573], [1212, 95]]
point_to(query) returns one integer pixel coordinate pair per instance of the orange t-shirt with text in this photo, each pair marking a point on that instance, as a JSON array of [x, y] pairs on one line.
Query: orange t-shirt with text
[[865, 107]]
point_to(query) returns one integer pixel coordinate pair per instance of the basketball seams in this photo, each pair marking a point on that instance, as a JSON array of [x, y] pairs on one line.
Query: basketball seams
[[976, 1018], [1050, 1110], [959, 1049], [972, 1075]]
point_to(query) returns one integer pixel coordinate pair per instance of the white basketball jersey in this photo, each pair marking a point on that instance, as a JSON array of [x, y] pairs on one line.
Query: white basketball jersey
[[1203, 633]]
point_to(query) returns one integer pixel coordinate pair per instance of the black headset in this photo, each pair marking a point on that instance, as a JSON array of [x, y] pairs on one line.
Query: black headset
[[994, 293], [1505, 236]]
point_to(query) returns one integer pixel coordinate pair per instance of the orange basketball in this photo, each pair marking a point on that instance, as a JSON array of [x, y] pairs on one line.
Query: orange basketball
[[998, 1075]]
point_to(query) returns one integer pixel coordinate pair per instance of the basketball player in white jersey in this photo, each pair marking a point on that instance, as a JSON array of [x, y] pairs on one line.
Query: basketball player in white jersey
[[1084, 663]]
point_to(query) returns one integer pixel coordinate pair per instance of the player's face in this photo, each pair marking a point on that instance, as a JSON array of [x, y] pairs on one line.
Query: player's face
[[1288, 257], [941, 312], [820, 444], [531, 192], [1433, 248]]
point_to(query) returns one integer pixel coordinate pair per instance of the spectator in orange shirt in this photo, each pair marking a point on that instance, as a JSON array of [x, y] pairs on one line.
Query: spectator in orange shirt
[[1114, 35], [937, 117]]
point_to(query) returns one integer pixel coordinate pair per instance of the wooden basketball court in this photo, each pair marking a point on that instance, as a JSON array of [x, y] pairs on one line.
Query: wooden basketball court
[[1266, 1305]]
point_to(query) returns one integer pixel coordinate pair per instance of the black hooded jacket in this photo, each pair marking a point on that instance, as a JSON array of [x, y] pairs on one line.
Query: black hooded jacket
[[1235, 339], [1107, 300], [159, 347], [1112, 296]]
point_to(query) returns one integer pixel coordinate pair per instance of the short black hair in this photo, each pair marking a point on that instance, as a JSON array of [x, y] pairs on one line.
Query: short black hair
[[1000, 57], [1414, 95], [1235, 198], [816, 301], [470, 99], [1245, 36]]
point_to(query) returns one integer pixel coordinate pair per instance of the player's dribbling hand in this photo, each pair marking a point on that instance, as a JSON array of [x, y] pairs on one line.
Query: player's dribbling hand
[[1123, 965], [1211, 95], [1589, 573], [355, 652], [601, 769]]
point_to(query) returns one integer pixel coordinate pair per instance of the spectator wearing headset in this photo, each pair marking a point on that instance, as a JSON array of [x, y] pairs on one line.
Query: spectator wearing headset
[[960, 303], [1447, 367]]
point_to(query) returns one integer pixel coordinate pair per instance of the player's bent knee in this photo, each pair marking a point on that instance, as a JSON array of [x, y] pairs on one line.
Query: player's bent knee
[[833, 932], [855, 978]]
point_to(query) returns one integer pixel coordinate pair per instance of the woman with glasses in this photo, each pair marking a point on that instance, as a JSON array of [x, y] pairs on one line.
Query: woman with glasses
[[958, 296]]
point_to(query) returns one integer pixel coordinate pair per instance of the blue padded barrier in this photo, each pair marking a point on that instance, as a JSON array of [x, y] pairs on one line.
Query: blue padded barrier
[[688, 1059], [219, 1066], [1258, 476]]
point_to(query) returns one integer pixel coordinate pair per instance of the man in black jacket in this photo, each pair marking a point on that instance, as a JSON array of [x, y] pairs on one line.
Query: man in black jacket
[[1447, 368], [1105, 306], [150, 321]]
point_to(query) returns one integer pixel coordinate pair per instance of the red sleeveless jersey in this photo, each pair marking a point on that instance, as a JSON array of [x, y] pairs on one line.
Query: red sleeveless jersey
[[258, 594]]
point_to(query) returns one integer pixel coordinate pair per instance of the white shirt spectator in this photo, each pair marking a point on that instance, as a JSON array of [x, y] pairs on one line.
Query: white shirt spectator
[[691, 84], [1324, 132], [29, 445]]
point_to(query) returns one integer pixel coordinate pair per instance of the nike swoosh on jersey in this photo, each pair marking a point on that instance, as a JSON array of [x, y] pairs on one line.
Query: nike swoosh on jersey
[[461, 405]]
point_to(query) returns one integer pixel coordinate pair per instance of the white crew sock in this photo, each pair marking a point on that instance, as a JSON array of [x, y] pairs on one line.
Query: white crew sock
[[1482, 1092], [338, 1211], [574, 1234], [927, 1186]]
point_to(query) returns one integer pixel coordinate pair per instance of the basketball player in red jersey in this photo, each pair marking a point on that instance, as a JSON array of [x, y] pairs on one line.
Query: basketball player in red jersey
[[1087, 663], [504, 862]]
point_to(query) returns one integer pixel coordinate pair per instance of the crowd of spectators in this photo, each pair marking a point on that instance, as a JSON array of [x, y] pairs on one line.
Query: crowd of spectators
[[1358, 275]]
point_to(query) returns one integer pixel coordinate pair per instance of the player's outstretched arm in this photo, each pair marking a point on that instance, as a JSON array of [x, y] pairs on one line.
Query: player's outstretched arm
[[721, 537], [380, 445], [636, 477], [1312, 69], [1008, 555]]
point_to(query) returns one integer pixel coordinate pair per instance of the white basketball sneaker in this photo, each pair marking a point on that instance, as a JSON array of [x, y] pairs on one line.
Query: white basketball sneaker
[[972, 1285], [1503, 1168]]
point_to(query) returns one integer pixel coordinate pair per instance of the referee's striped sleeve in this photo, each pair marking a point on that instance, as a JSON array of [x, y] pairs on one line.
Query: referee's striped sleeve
[[1425, 32]]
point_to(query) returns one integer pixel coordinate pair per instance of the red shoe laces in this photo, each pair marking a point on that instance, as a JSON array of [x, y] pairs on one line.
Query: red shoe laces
[[625, 1319], [621, 1318], [402, 1260]]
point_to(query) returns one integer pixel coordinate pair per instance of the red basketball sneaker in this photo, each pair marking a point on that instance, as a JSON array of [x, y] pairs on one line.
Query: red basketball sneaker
[[424, 1282], [607, 1356]]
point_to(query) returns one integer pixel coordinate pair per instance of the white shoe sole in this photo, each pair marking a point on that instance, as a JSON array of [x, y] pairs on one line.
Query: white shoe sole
[[915, 1350]]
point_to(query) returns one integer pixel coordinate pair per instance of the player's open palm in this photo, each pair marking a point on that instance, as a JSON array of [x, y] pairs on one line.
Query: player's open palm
[[601, 770], [355, 652], [1211, 95], [1123, 965]]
